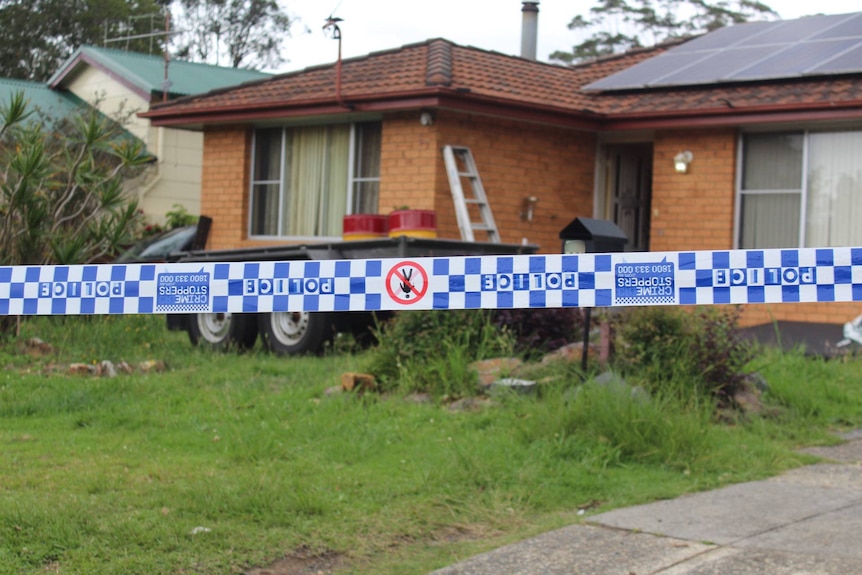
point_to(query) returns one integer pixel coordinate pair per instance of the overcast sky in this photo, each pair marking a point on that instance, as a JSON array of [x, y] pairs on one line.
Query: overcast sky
[[371, 25]]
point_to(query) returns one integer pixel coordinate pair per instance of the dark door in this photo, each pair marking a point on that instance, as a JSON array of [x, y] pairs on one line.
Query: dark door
[[628, 191]]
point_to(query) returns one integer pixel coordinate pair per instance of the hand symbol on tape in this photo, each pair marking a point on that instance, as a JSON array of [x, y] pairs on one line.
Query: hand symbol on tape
[[406, 286]]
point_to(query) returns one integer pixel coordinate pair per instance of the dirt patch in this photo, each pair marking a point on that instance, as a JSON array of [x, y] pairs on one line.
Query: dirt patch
[[303, 562]]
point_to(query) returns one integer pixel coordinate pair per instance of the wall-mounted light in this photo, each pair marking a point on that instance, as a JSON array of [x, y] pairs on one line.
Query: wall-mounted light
[[528, 207], [426, 118], [681, 161]]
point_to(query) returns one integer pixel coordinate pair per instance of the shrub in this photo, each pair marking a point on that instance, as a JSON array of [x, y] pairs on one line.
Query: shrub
[[430, 350], [684, 352], [62, 198], [179, 217], [538, 331]]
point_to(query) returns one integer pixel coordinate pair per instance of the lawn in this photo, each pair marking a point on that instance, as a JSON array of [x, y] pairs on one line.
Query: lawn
[[220, 463]]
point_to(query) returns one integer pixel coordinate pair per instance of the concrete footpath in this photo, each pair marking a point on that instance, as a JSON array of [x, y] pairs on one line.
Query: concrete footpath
[[806, 521]]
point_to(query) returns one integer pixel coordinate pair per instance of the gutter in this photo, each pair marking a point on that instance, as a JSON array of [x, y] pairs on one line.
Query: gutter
[[732, 116], [466, 101], [455, 99]]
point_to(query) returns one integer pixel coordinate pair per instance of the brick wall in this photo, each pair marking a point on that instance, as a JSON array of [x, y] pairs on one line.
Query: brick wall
[[514, 160], [693, 211], [224, 185], [408, 163]]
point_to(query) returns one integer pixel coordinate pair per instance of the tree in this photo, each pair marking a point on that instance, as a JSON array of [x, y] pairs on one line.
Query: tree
[[239, 33], [38, 35], [645, 22], [61, 188]]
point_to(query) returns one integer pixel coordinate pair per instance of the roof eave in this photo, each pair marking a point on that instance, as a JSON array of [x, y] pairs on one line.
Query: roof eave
[[730, 117], [435, 98], [80, 58]]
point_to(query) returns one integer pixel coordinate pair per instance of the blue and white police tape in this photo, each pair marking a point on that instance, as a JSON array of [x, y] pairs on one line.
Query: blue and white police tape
[[524, 281]]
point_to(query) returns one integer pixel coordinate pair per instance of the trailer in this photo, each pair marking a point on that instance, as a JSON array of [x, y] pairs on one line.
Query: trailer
[[291, 333]]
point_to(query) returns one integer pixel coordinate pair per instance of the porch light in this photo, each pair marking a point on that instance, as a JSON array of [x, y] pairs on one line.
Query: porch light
[[528, 208], [681, 161]]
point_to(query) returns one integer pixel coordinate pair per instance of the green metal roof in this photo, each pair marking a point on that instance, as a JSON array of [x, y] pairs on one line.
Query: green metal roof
[[146, 73], [52, 104]]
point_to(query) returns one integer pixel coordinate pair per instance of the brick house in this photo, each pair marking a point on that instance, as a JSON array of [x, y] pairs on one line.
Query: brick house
[[767, 153]]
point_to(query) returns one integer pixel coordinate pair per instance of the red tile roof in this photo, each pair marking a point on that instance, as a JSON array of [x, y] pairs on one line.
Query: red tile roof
[[438, 73]]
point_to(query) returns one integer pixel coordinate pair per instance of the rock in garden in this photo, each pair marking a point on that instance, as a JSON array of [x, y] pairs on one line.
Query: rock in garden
[[361, 382], [107, 369], [490, 370], [81, 369], [151, 366]]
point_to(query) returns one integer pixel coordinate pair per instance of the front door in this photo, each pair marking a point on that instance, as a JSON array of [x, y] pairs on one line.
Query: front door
[[628, 187]]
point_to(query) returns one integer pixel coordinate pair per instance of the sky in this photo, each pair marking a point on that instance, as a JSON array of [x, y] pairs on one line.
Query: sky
[[372, 25]]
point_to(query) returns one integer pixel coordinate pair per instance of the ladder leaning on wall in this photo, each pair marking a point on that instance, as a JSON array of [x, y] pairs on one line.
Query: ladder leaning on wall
[[460, 166]]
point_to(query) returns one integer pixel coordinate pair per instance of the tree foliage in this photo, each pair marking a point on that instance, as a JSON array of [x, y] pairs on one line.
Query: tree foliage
[[618, 25], [237, 33], [36, 36], [61, 189]]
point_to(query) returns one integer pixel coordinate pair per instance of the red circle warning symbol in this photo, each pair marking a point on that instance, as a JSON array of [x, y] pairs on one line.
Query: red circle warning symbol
[[407, 282]]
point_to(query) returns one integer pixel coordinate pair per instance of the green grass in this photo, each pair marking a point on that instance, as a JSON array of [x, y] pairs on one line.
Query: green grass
[[107, 476]]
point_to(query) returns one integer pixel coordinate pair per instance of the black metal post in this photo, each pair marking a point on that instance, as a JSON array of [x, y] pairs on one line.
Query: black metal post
[[588, 312]]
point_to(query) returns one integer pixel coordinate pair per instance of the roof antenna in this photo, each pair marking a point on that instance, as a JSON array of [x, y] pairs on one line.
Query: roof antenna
[[332, 22]]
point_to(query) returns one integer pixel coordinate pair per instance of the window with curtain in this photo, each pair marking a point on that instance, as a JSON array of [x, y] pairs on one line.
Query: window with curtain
[[366, 181], [791, 178], [302, 177]]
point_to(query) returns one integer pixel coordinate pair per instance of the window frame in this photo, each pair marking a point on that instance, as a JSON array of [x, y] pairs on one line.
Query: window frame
[[802, 190], [351, 180]]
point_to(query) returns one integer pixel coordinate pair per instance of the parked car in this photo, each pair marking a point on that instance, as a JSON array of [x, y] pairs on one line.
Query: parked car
[[158, 248]]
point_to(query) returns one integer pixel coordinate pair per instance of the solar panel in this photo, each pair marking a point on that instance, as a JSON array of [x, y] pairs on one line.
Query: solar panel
[[652, 68], [814, 45], [792, 31], [795, 60], [717, 65], [722, 37], [849, 28], [845, 63]]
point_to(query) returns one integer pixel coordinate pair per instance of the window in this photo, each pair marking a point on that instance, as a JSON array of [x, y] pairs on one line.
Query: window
[[801, 189], [366, 180], [305, 178]]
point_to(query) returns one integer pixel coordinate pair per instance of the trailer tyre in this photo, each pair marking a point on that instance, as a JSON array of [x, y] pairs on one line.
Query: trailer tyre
[[294, 333], [223, 331]]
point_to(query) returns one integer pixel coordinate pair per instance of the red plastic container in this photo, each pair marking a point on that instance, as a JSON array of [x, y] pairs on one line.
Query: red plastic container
[[414, 223], [364, 227]]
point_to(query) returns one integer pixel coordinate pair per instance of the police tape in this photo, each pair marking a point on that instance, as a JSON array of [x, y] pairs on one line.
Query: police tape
[[521, 281]]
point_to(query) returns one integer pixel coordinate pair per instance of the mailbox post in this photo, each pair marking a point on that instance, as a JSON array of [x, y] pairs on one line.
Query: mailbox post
[[589, 236]]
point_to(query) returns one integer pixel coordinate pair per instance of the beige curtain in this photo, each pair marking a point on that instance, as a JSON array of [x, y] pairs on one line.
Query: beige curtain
[[834, 207], [334, 198], [315, 193]]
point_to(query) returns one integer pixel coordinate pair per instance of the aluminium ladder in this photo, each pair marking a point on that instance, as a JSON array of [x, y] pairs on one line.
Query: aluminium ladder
[[460, 164]]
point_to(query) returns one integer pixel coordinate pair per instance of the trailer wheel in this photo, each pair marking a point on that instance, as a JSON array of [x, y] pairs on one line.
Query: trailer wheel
[[222, 330], [294, 333]]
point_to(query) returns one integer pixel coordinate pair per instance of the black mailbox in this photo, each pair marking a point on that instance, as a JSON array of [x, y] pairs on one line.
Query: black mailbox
[[587, 235]]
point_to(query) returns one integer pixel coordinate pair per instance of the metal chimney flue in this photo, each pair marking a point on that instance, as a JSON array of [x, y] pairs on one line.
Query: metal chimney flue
[[529, 28]]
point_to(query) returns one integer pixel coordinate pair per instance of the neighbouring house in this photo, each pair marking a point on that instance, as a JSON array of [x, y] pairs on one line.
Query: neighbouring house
[[120, 84], [746, 137], [50, 105]]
